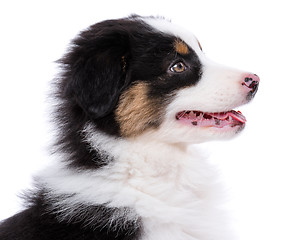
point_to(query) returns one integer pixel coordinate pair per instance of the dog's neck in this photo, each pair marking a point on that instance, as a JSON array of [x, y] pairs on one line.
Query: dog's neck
[[146, 147], [142, 173]]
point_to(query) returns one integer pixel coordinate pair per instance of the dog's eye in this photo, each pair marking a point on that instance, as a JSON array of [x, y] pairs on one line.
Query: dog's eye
[[178, 67]]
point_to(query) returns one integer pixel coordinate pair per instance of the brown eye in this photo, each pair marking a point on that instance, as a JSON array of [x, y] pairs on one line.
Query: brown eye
[[178, 67]]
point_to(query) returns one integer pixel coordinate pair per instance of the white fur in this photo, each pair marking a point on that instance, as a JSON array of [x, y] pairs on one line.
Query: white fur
[[168, 27], [175, 192]]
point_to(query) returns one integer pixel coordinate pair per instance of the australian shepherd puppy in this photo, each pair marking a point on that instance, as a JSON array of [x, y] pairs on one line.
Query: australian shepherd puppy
[[132, 96]]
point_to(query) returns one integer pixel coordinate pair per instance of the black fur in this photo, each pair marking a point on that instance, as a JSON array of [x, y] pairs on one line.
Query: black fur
[[38, 223], [101, 63]]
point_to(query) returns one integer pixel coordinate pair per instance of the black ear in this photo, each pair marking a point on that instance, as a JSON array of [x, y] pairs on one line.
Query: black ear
[[96, 68]]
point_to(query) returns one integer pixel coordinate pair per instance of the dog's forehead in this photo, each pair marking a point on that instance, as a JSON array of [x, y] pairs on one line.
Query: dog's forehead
[[170, 28]]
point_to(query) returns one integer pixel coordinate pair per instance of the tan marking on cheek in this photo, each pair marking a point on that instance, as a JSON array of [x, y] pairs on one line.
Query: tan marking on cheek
[[181, 47], [136, 112]]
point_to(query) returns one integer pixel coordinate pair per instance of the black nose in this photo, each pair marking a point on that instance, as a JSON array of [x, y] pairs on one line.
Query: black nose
[[252, 83]]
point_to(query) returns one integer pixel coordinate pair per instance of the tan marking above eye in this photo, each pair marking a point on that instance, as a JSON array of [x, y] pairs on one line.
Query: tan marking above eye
[[180, 47]]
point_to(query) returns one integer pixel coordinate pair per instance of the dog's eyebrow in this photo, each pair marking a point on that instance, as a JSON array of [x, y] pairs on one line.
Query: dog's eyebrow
[[180, 47]]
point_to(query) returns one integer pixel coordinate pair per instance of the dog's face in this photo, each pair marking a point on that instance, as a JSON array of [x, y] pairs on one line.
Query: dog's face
[[147, 77]]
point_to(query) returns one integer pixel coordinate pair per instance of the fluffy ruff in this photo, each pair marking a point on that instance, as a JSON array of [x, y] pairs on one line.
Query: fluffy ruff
[[133, 95]]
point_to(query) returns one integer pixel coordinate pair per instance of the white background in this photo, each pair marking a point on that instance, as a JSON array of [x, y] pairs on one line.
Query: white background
[[259, 166]]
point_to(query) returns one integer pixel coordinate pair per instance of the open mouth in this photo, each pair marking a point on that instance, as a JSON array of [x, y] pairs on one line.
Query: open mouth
[[208, 119]]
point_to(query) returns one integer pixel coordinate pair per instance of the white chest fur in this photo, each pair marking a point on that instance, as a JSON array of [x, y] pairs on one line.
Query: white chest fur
[[175, 193]]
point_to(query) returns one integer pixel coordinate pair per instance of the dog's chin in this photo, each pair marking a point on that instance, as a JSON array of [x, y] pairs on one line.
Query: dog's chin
[[203, 134]]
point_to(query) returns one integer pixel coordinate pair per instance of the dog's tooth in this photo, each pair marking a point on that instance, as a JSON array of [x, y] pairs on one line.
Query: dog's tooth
[[192, 115], [229, 118], [202, 117]]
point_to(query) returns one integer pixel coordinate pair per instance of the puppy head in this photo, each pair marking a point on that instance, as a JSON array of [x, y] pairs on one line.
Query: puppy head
[[142, 76]]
